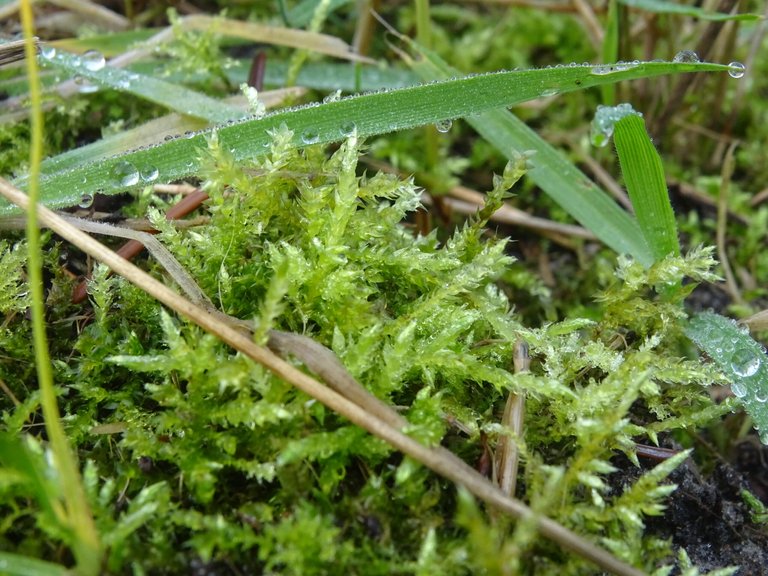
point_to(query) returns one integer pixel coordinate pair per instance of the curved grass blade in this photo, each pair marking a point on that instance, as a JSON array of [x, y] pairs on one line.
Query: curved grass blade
[[368, 114], [91, 68], [740, 358], [644, 178]]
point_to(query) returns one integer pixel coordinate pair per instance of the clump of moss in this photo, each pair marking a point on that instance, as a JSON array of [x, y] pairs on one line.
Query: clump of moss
[[215, 460]]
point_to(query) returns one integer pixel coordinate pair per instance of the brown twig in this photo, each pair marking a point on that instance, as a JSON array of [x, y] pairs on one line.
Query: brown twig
[[133, 248], [508, 457]]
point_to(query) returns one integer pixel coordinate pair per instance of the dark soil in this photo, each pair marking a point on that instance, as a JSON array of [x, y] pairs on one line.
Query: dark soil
[[707, 515]]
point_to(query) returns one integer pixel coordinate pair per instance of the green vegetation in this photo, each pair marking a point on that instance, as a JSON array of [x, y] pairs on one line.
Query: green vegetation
[[333, 232]]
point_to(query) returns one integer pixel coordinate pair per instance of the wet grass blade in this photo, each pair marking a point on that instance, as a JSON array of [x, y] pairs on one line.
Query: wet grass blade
[[740, 358], [90, 67], [587, 203], [644, 179], [369, 114]]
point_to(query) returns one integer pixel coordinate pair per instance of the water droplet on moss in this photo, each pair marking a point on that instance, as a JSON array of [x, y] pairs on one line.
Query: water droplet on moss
[[745, 363], [686, 56], [125, 174], [93, 60], [443, 126], [737, 69]]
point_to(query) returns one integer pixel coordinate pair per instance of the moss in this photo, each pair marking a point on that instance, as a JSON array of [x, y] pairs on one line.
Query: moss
[[216, 460]]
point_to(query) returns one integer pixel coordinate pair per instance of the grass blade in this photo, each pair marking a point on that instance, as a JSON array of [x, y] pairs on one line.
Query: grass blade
[[369, 114], [587, 203], [91, 67], [18, 565], [643, 175], [664, 7], [740, 358]]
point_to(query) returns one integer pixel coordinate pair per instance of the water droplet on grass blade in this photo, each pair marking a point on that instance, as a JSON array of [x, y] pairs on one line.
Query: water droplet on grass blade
[[686, 56], [745, 363], [348, 128], [149, 174], [738, 389], [86, 201], [84, 86], [310, 136], [601, 70], [125, 174], [443, 126], [332, 97], [737, 70], [605, 119], [47, 52], [93, 60]]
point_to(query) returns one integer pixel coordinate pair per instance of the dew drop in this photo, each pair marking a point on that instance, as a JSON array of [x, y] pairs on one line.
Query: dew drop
[[604, 121], [601, 70], [686, 56], [738, 389], [737, 69], [332, 97], [169, 137], [93, 60], [84, 86], [149, 174], [189, 134], [310, 136], [546, 93], [86, 201], [47, 52], [745, 363], [348, 128], [443, 126], [125, 174]]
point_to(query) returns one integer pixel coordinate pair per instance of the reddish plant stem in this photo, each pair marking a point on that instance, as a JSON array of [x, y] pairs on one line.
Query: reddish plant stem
[[133, 248]]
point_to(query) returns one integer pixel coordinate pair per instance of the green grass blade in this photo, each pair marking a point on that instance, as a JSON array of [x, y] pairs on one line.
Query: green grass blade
[[666, 7], [586, 202], [172, 96], [643, 175], [369, 114], [17, 565], [610, 50], [740, 358], [556, 175]]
